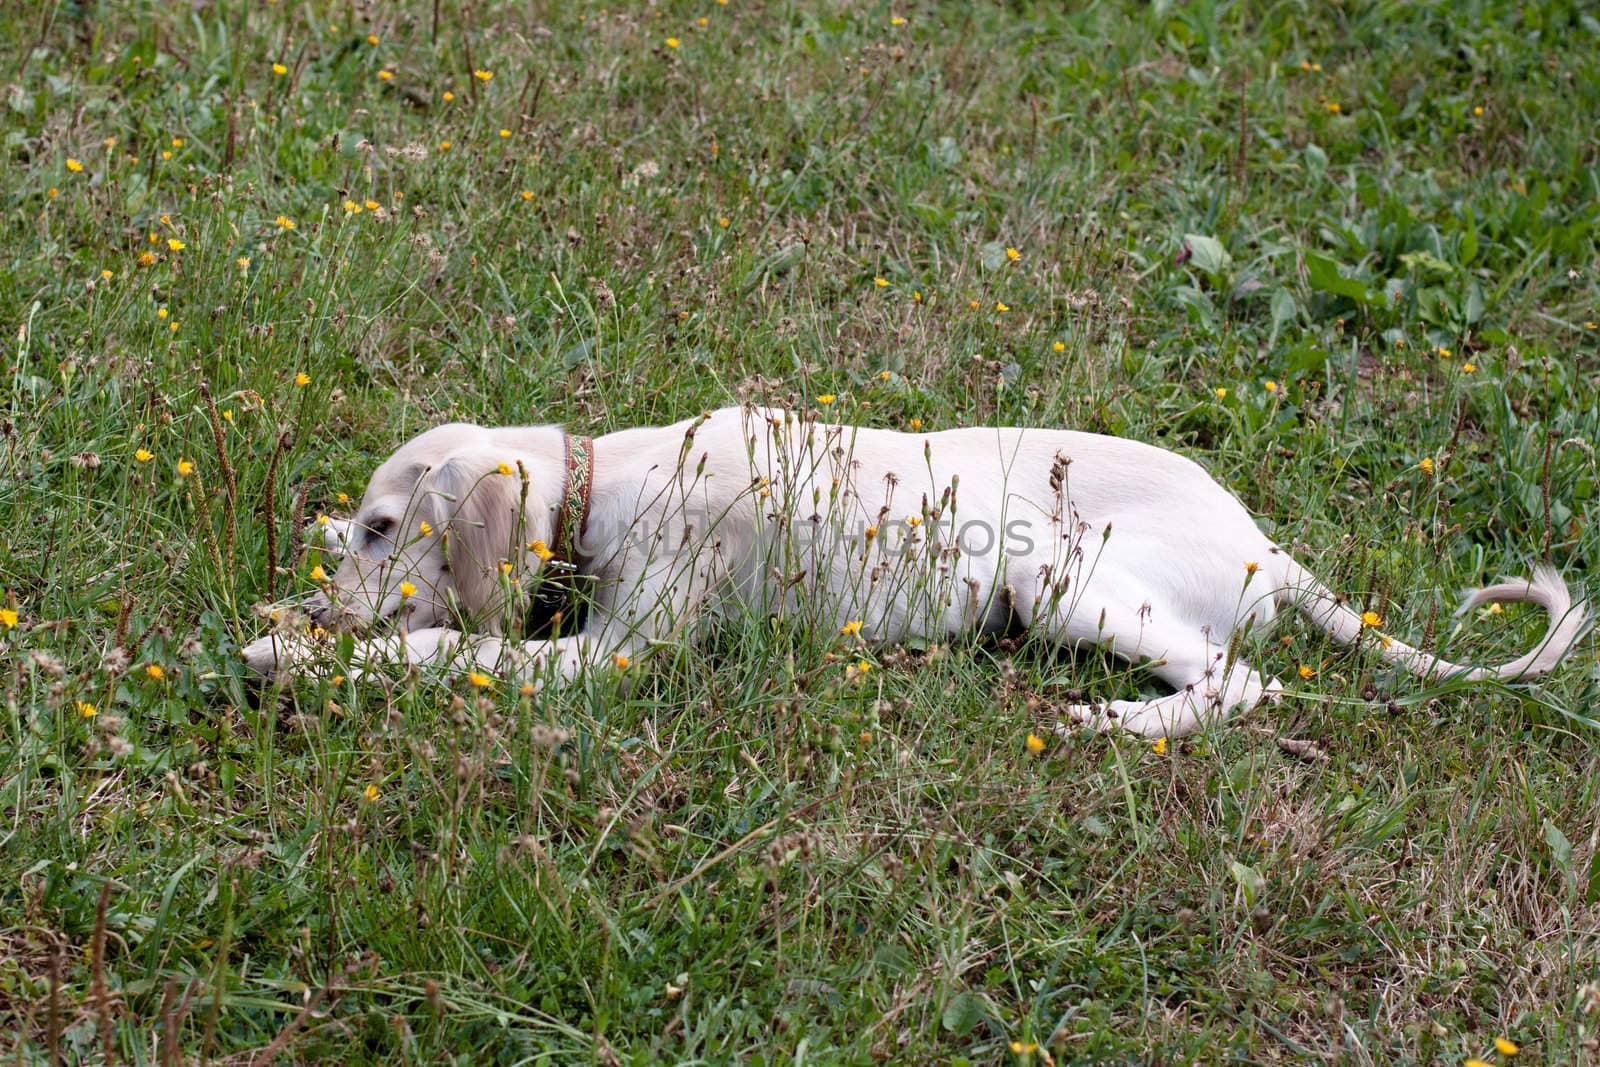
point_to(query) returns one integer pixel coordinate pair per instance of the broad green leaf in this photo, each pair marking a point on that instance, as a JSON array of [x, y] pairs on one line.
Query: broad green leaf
[[1325, 276], [1207, 253], [963, 1013]]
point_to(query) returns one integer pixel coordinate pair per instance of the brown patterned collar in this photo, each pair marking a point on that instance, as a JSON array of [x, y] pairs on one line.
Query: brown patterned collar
[[573, 522]]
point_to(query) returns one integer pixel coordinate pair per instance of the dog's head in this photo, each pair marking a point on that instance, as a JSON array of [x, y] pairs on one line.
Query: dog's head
[[446, 527]]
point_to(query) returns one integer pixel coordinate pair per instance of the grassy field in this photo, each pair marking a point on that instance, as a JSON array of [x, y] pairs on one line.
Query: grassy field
[[1343, 254]]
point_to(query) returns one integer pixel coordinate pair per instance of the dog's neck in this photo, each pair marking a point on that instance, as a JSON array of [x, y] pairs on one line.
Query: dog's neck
[[577, 488]]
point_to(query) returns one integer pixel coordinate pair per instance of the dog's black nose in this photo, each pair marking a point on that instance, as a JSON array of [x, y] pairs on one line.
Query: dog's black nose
[[319, 609]]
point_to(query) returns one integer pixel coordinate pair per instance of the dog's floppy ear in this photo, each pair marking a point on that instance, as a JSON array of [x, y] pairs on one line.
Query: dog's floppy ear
[[484, 519]]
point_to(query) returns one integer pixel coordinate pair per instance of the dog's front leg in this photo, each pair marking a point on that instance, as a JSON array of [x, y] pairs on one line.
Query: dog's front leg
[[642, 608], [431, 647]]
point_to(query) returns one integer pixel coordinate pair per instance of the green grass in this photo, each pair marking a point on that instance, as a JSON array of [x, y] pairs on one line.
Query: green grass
[[747, 858]]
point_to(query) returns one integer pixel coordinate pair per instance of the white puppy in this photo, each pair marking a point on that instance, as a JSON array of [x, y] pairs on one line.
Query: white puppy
[[1083, 538]]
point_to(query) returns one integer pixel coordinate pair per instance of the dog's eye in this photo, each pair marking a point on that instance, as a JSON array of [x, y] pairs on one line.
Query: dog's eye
[[381, 527]]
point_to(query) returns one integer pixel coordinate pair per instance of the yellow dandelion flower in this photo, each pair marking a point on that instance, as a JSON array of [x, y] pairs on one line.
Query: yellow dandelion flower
[[527, 194], [372, 38], [444, 146], [74, 166], [1443, 352], [1159, 746], [318, 574], [8, 618], [479, 680], [1035, 743], [343, 498], [621, 661], [1220, 392], [279, 69], [913, 521], [504, 469], [1333, 107], [880, 282], [1059, 346], [1000, 305], [504, 133], [284, 222], [542, 550], [722, 221], [702, 22], [1012, 254], [483, 75], [1305, 672], [915, 424], [916, 296], [177, 142], [175, 245], [386, 75], [449, 97], [52, 192], [505, 566], [173, 326], [155, 672], [370, 794], [407, 589], [885, 375], [851, 628], [351, 207], [161, 313], [302, 379], [826, 398], [185, 468], [1478, 112], [144, 455], [862, 666], [1505, 1046], [108, 274], [1251, 567], [1371, 618], [870, 532], [146, 258], [1473, 1061], [86, 710], [1425, 464], [424, 529], [243, 262], [1270, 386], [1468, 368], [672, 42], [227, 415], [896, 20]]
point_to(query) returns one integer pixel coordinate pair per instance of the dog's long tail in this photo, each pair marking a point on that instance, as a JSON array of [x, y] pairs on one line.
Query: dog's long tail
[[1332, 616]]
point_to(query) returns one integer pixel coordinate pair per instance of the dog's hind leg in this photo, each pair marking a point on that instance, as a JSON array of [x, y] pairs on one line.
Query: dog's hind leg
[[1117, 614], [1205, 693]]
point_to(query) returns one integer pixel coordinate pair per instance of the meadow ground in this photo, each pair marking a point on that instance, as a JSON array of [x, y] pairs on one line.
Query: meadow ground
[[1343, 254]]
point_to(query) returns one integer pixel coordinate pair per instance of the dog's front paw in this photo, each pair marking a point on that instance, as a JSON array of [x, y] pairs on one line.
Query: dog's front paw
[[262, 654]]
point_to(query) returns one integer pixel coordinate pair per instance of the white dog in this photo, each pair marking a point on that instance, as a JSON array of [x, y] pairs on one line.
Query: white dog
[[880, 536]]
